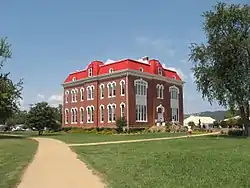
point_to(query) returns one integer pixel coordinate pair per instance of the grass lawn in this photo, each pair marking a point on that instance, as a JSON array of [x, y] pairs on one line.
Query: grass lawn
[[15, 155], [89, 138], [193, 162]]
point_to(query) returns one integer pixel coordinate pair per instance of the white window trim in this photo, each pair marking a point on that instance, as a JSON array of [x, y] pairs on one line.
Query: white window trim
[[122, 103], [91, 89], [111, 70], [91, 114], [81, 111], [141, 69], [160, 106], [174, 87], [66, 120], [112, 114], [90, 72], [102, 89], [82, 94], [113, 87], [160, 71], [160, 91], [74, 114], [74, 79], [66, 95], [122, 84], [102, 106]]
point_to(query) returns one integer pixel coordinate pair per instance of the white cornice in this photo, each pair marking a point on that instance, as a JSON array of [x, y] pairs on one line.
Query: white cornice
[[121, 73]]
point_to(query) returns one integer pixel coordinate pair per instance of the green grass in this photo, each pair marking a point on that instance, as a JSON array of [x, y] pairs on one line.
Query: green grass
[[190, 163], [15, 155], [92, 137]]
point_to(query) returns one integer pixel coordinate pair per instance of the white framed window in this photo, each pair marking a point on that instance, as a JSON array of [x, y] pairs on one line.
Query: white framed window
[[174, 103], [74, 79], [160, 71], [66, 95], [111, 112], [174, 91], [66, 116], [122, 86], [141, 69], [160, 91], [73, 95], [175, 114], [141, 87], [111, 89], [74, 115], [111, 70], [82, 94], [90, 114], [174, 77], [81, 115], [101, 113], [90, 92], [102, 91], [122, 107], [90, 72]]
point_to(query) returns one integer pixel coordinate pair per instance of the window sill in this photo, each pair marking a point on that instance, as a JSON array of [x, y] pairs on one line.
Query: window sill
[[139, 121], [90, 122]]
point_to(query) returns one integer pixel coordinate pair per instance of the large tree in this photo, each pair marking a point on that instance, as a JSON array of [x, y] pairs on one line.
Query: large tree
[[42, 115], [221, 65], [10, 93]]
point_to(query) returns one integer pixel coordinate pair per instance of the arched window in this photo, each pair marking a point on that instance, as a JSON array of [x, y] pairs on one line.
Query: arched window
[[90, 92], [122, 84], [102, 91], [141, 100], [90, 114], [102, 113], [72, 115], [109, 113], [76, 115], [66, 116], [90, 72], [111, 70], [72, 95], [66, 96], [81, 115], [111, 89], [82, 94], [174, 102], [141, 69], [160, 71], [122, 107], [160, 91], [74, 79], [113, 112]]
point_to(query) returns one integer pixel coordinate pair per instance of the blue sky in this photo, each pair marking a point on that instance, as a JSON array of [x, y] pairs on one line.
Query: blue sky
[[52, 38]]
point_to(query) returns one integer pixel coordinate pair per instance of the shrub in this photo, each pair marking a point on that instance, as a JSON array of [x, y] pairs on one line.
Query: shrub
[[120, 124], [236, 133], [66, 129], [191, 124]]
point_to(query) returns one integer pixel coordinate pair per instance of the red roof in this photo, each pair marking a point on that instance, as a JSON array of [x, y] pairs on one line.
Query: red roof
[[99, 68]]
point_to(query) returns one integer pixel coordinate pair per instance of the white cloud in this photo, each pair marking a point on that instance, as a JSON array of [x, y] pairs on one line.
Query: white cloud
[[55, 100], [109, 61], [179, 72], [41, 96], [159, 44]]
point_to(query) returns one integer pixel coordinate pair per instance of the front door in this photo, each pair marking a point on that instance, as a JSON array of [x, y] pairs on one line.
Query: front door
[[160, 117]]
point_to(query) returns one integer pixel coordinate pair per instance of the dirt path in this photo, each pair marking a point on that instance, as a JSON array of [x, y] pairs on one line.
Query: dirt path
[[141, 140], [56, 166]]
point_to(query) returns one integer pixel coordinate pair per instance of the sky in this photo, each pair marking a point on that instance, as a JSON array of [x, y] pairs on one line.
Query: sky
[[50, 39]]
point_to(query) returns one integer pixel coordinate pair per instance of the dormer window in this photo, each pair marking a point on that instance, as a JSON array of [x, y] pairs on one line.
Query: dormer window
[[141, 69], [74, 79], [111, 70], [160, 71], [173, 77], [90, 72]]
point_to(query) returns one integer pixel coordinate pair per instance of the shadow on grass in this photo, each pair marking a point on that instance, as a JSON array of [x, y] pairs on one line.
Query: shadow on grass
[[228, 136], [2, 137]]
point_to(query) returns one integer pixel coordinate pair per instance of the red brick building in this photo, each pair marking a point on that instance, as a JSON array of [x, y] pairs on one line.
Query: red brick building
[[142, 91]]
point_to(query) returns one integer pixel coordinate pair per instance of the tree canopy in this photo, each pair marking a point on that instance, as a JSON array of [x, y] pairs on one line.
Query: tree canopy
[[10, 93], [221, 65], [42, 115]]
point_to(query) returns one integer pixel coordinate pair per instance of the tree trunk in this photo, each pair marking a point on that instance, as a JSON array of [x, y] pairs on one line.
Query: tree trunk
[[244, 114], [40, 132]]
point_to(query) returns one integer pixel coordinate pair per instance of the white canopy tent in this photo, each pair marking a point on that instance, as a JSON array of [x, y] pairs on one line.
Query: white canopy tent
[[204, 120]]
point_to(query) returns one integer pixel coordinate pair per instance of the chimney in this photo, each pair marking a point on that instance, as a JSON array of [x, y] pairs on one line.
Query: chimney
[[145, 58]]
